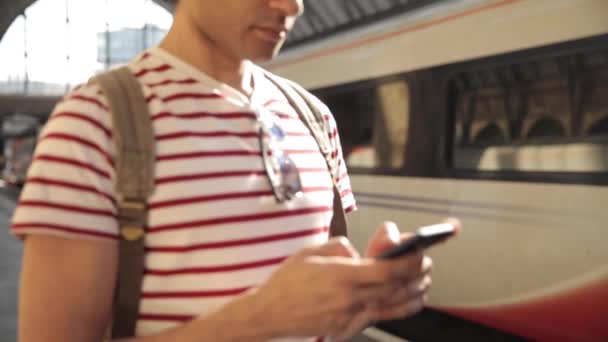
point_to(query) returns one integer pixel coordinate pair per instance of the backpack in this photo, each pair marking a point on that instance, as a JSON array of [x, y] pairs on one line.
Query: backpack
[[135, 164]]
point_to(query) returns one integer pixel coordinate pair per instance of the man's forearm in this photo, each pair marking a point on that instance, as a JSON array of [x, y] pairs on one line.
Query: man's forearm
[[239, 320]]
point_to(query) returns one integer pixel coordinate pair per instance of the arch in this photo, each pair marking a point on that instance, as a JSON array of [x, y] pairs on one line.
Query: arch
[[489, 131], [546, 126], [490, 134], [75, 56], [599, 127], [10, 10]]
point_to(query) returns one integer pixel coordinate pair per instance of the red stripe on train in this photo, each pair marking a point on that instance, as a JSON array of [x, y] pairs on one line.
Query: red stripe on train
[[573, 315]]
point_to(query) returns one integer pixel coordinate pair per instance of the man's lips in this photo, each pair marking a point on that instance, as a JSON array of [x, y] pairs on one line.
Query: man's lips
[[272, 35]]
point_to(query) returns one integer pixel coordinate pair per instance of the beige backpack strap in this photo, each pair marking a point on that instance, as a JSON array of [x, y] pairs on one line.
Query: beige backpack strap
[[135, 162], [305, 104]]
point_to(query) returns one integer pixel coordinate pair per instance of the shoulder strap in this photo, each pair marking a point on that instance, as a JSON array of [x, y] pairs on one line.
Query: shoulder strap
[[135, 159], [305, 104], [133, 133]]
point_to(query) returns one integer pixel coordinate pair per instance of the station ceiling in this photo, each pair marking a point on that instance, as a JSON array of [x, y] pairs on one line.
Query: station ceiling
[[323, 18]]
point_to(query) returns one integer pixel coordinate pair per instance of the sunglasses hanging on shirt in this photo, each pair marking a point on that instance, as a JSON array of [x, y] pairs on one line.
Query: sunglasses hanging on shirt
[[281, 170]]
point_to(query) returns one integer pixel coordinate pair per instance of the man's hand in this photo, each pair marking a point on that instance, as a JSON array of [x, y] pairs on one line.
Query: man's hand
[[408, 295], [330, 290], [325, 290]]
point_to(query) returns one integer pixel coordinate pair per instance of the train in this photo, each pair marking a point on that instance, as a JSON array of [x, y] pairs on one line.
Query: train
[[496, 112]]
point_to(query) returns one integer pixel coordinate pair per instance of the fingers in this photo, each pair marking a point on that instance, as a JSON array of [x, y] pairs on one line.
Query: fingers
[[415, 289], [371, 294], [400, 300], [404, 301], [455, 222], [427, 265], [385, 237], [373, 271], [383, 293], [384, 298], [368, 293]]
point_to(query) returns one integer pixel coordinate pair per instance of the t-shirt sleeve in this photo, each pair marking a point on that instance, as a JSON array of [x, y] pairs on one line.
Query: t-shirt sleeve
[[348, 199], [69, 188]]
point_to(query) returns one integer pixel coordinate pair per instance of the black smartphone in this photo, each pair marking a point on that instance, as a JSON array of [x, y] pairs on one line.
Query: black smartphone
[[425, 237]]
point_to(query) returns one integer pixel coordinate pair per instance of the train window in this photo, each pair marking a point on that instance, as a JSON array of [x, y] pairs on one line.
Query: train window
[[548, 115], [372, 122]]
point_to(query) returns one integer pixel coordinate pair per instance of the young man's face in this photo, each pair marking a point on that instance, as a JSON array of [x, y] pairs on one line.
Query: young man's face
[[244, 29]]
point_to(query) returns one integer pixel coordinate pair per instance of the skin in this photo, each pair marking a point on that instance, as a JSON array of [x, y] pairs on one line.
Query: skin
[[59, 275], [220, 37]]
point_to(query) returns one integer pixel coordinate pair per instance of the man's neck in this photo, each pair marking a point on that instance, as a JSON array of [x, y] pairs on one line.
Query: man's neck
[[195, 48]]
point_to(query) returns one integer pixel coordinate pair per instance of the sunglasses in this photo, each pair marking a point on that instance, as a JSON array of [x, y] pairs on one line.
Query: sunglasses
[[280, 168]]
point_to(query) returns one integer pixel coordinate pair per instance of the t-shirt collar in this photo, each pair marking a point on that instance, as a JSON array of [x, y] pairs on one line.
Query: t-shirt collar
[[202, 77]]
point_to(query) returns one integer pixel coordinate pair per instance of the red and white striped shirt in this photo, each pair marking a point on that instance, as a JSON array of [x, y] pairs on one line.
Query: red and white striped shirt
[[215, 228]]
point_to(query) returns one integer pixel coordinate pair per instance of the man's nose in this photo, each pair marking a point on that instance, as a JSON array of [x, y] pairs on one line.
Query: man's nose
[[291, 8]]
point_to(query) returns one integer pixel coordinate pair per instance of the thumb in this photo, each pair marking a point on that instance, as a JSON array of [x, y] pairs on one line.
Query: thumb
[[335, 247], [385, 237]]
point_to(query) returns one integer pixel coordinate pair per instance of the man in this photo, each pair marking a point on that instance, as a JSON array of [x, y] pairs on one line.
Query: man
[[225, 261]]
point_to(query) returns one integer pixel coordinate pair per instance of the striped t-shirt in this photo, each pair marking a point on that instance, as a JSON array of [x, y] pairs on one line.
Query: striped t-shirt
[[215, 228]]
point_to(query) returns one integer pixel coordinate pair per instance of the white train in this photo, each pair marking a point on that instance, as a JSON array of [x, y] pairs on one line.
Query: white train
[[495, 112]]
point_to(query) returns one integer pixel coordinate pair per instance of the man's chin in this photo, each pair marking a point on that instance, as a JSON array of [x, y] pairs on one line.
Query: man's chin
[[266, 54], [263, 59]]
